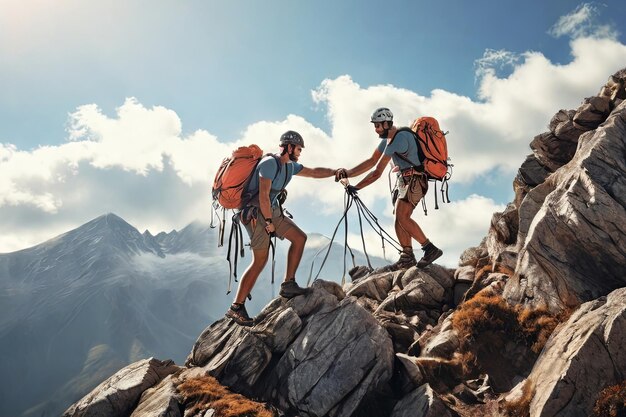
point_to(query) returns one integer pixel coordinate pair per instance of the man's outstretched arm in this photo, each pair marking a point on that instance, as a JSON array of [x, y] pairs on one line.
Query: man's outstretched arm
[[316, 172], [375, 174]]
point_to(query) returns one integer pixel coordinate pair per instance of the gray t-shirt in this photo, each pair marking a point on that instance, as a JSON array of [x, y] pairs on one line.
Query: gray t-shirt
[[404, 144], [269, 168]]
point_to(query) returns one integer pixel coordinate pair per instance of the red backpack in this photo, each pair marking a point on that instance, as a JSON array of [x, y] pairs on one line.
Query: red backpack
[[233, 176]]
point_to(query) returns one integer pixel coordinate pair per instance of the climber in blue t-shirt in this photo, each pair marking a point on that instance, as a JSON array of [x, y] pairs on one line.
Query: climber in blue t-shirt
[[263, 217]]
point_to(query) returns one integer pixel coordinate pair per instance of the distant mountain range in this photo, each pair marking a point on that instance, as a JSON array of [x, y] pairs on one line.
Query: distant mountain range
[[76, 308]]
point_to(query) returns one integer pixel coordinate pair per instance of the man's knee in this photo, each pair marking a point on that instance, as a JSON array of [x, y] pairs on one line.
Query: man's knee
[[301, 238], [296, 236], [259, 257]]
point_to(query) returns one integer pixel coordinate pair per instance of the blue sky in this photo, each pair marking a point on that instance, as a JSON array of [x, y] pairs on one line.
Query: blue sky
[[126, 106]]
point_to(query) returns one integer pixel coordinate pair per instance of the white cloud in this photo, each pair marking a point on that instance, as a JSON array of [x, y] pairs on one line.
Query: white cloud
[[139, 164], [495, 59], [583, 22]]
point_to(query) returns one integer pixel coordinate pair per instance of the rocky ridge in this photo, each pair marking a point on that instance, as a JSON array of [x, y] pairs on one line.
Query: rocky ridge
[[532, 322]]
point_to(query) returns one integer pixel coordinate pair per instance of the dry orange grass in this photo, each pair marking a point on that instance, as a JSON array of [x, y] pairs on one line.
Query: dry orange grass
[[206, 392], [489, 268], [490, 313], [611, 401]]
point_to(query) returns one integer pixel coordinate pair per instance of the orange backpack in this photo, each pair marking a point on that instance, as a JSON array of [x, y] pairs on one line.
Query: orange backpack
[[432, 143], [233, 176], [432, 151]]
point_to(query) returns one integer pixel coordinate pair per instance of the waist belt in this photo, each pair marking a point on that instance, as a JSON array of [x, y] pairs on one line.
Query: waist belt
[[409, 172]]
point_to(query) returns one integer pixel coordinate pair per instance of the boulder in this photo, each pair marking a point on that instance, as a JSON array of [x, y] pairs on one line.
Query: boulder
[[423, 292], [614, 88], [592, 113], [585, 355], [375, 287], [403, 333], [159, 401], [338, 358], [422, 402], [119, 394], [443, 343], [531, 172]]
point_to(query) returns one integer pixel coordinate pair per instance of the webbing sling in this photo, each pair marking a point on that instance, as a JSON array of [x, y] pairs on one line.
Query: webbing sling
[[235, 231], [363, 212]]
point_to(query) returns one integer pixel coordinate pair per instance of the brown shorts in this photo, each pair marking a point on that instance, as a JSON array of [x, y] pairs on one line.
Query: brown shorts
[[412, 188], [259, 239]]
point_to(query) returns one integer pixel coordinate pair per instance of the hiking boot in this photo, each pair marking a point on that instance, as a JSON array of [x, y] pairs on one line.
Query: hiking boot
[[238, 313], [407, 260], [290, 289], [431, 252]]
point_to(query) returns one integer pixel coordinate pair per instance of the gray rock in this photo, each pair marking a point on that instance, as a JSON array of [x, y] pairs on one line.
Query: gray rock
[[551, 151], [568, 132], [585, 355], [531, 172], [337, 359], [411, 375], [159, 401], [237, 355], [119, 394], [592, 113], [402, 331], [560, 117], [422, 402], [423, 292], [614, 88], [444, 342], [375, 286], [503, 232], [443, 276]]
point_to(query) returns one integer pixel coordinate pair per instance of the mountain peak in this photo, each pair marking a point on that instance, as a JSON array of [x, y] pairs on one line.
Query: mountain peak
[[110, 220]]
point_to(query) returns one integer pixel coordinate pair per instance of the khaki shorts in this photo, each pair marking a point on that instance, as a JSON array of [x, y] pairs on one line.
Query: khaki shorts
[[412, 188], [259, 239]]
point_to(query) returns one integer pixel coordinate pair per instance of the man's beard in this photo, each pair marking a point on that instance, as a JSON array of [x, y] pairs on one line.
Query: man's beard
[[293, 158], [385, 134]]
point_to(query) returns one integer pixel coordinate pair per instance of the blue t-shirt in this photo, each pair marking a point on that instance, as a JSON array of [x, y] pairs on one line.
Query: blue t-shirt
[[404, 144], [269, 168]]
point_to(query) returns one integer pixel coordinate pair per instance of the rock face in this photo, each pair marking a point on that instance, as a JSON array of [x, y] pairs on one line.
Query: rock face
[[572, 235]]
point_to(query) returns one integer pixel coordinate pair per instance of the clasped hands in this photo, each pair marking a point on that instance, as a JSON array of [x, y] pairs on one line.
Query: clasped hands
[[341, 174]]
